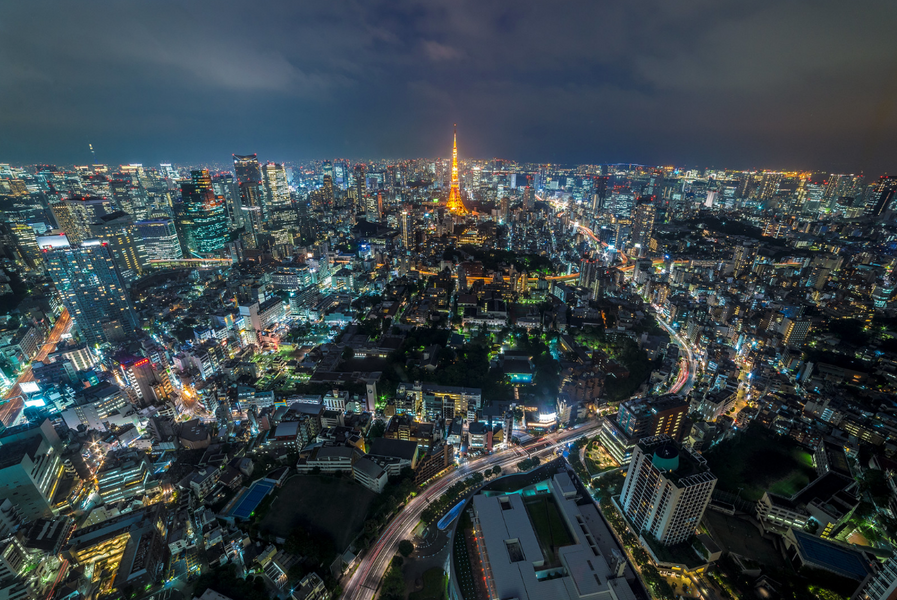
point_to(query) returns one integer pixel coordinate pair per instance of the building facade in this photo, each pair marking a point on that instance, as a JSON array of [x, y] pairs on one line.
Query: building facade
[[666, 491]]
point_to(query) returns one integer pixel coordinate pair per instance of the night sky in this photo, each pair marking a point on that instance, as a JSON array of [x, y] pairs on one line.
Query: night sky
[[759, 84]]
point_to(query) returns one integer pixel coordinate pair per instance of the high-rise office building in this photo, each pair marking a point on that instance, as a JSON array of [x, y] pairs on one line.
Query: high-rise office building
[[599, 192], [26, 244], [225, 185], [280, 214], [589, 270], [373, 207], [143, 378], [31, 468], [769, 185], [407, 229], [85, 211], [249, 182], [277, 192], [529, 198], [118, 232], [360, 186], [65, 221], [390, 180], [158, 240], [74, 215], [883, 291], [327, 192], [643, 417], [91, 287], [744, 259], [129, 194], [203, 219], [794, 331], [643, 223], [666, 491], [505, 209], [882, 195]]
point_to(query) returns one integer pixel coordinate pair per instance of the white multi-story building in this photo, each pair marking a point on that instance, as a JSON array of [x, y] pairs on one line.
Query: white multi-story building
[[882, 585], [667, 490]]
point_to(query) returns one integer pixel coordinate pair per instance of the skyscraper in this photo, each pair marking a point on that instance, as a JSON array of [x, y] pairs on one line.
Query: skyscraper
[[407, 229], [882, 195], [129, 194], [249, 181], [360, 186], [31, 469], [769, 185], [158, 240], [589, 269], [529, 198], [225, 185], [390, 180], [277, 192], [26, 244], [643, 223], [117, 230], [327, 191], [599, 192], [455, 204], [279, 212], [203, 219], [373, 207], [666, 491], [91, 288], [62, 214], [643, 417]]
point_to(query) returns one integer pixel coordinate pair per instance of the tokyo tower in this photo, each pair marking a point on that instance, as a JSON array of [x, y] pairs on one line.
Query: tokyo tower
[[454, 201]]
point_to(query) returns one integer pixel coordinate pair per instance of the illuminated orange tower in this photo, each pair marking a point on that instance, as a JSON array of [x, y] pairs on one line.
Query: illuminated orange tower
[[454, 201]]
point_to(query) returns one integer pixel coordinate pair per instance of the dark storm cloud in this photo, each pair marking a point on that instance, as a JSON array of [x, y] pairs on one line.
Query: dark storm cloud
[[759, 84]]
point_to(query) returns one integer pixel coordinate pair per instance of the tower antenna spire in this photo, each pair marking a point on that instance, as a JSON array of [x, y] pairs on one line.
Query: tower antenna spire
[[455, 204]]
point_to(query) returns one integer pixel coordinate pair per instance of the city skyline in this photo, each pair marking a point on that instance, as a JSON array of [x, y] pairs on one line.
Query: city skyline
[[448, 300], [768, 86]]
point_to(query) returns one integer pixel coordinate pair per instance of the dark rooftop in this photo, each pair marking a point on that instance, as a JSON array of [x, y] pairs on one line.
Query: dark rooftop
[[395, 448]]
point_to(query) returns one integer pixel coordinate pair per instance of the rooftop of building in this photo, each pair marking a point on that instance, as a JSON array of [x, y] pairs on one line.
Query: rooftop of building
[[477, 428], [121, 459], [368, 467], [14, 452], [822, 488], [393, 448], [676, 462], [433, 388], [287, 429], [521, 570], [831, 556], [655, 404], [193, 431]]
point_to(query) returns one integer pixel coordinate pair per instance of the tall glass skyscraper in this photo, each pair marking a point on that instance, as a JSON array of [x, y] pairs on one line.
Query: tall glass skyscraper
[[249, 182], [92, 288], [203, 217]]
